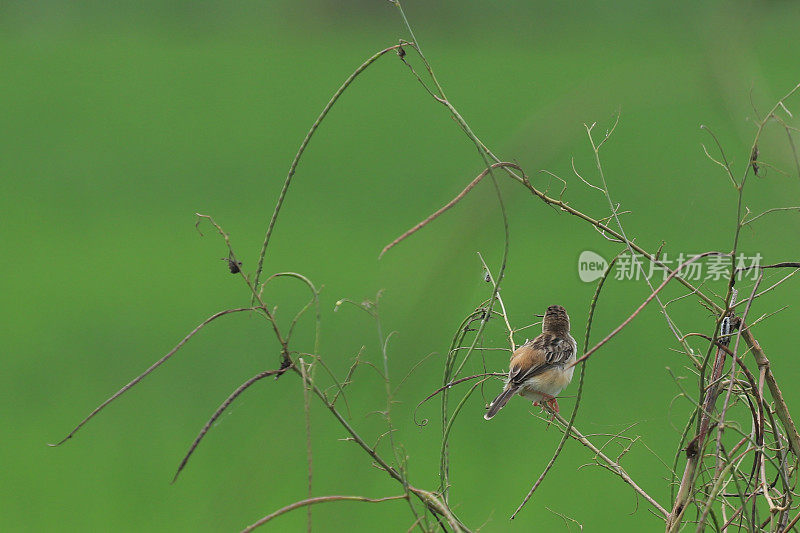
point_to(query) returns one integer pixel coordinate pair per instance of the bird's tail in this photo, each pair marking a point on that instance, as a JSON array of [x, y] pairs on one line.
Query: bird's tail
[[501, 400]]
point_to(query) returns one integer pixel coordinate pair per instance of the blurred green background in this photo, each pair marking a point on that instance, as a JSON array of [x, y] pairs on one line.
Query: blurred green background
[[121, 120]]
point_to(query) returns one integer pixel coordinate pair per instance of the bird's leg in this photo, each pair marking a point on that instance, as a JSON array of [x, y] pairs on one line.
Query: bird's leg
[[550, 402]]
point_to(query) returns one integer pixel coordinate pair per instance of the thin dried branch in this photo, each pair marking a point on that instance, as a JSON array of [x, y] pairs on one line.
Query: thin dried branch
[[612, 465], [255, 295], [347, 380], [453, 384], [152, 367], [786, 264], [614, 213], [724, 165], [303, 145], [309, 451], [431, 502], [781, 409], [221, 409], [643, 305], [695, 448], [567, 519], [703, 487], [320, 499], [445, 207], [504, 314], [449, 373], [774, 285], [313, 302], [722, 469]]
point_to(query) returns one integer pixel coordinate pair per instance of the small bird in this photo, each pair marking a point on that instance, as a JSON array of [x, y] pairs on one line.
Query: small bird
[[540, 368]]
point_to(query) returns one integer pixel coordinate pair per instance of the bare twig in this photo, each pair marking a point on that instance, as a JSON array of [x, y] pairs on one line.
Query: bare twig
[[612, 465], [499, 301], [221, 409], [309, 451], [320, 499], [303, 145], [781, 408], [642, 306], [152, 367], [445, 207], [430, 500]]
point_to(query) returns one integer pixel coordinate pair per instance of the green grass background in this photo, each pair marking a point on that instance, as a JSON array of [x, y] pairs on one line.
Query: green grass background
[[121, 120]]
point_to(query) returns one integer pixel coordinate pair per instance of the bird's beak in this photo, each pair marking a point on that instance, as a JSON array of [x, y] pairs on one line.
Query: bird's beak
[[540, 316]]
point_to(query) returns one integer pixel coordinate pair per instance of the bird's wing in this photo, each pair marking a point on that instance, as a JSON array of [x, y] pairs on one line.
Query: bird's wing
[[539, 355]]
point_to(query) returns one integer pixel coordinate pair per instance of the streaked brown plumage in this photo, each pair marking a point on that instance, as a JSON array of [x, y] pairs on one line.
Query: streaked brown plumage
[[540, 368]]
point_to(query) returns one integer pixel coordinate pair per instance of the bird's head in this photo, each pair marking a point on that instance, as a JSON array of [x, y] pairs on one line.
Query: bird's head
[[556, 320]]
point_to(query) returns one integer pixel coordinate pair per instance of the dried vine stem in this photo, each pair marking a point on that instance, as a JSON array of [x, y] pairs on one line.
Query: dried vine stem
[[781, 409], [320, 499], [309, 453], [429, 499], [694, 451], [522, 178], [150, 369], [221, 409], [252, 287], [784, 414], [302, 149], [722, 468], [613, 466], [647, 300], [447, 420], [445, 207]]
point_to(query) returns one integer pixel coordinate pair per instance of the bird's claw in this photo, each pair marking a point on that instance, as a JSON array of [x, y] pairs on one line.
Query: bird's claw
[[551, 404]]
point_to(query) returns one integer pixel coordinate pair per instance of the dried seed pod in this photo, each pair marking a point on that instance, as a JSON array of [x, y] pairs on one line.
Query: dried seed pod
[[754, 160], [233, 265]]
